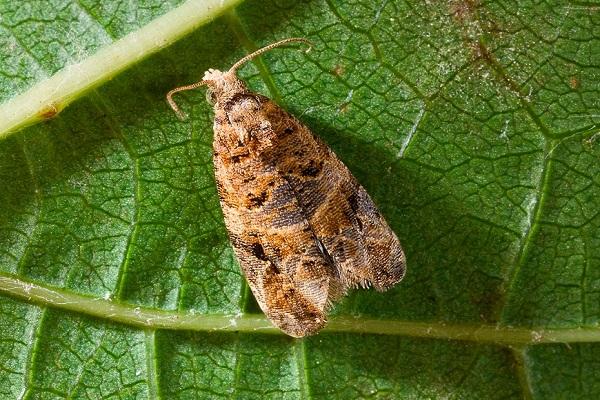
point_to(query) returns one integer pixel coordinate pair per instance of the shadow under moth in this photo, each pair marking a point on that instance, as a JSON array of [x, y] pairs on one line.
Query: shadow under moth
[[303, 229]]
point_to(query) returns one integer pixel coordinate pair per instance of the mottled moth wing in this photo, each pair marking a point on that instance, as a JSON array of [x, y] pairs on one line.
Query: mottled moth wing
[[303, 229]]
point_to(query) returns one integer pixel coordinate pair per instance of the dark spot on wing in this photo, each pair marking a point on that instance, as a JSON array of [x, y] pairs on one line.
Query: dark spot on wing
[[353, 201], [258, 251], [313, 169], [237, 158], [272, 270], [259, 200]]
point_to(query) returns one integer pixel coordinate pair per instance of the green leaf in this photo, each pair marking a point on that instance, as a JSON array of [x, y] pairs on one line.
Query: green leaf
[[473, 125]]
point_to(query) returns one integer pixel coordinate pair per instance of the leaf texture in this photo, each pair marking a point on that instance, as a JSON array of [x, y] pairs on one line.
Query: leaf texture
[[473, 126]]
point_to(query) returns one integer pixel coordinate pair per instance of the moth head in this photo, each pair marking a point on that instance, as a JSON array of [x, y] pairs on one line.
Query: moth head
[[223, 85]]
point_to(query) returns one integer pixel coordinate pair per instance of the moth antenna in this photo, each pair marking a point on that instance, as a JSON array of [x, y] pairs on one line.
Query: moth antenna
[[174, 105], [258, 52]]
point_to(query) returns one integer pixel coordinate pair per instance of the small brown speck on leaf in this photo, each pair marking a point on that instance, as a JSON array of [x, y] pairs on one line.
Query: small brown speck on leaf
[[338, 70], [574, 82], [49, 111]]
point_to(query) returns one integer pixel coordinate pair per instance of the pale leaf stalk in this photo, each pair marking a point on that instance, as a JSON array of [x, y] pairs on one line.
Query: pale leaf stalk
[[48, 97]]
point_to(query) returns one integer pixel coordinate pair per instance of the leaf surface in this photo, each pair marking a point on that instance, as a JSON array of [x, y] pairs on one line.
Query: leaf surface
[[473, 125]]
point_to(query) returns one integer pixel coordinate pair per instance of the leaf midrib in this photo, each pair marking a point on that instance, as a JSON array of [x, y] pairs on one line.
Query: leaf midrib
[[149, 318], [50, 96]]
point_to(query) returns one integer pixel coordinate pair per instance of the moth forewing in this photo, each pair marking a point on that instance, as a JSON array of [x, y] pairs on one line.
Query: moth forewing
[[303, 229]]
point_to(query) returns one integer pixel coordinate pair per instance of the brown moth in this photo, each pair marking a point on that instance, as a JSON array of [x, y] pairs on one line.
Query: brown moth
[[303, 229]]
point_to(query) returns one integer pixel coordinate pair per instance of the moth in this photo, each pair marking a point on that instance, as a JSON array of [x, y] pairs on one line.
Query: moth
[[303, 229]]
